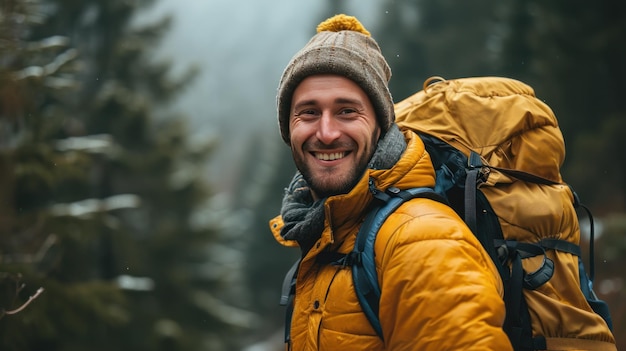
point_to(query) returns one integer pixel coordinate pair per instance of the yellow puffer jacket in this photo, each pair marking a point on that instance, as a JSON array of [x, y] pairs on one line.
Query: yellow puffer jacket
[[440, 290]]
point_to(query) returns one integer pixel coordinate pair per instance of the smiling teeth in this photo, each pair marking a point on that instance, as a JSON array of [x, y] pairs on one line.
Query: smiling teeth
[[330, 157]]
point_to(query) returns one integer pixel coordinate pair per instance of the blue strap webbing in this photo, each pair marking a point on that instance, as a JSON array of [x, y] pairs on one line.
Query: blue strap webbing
[[364, 270]]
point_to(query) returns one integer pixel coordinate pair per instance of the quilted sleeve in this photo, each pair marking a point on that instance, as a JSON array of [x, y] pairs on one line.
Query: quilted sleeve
[[440, 290]]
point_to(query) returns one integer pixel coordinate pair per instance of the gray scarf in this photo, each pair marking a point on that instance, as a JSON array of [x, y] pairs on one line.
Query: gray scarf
[[304, 218]]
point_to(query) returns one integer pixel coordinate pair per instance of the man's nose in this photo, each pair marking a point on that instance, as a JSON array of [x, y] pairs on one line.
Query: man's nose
[[328, 128]]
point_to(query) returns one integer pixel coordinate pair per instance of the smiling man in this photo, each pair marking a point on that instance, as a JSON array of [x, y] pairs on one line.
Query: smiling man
[[440, 290], [333, 133]]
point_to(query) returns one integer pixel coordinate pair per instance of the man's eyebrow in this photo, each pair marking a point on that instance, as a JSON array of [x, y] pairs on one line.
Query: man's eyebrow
[[339, 100], [304, 103], [342, 100]]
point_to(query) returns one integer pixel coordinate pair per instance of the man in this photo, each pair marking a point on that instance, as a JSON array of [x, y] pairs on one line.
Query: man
[[440, 290]]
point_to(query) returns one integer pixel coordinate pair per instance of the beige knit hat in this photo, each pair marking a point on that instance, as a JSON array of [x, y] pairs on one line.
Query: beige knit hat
[[341, 46]]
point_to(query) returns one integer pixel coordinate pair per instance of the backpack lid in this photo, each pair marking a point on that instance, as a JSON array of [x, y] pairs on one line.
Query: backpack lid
[[498, 118]]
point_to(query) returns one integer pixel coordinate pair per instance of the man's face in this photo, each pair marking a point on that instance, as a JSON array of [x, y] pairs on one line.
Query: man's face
[[333, 133]]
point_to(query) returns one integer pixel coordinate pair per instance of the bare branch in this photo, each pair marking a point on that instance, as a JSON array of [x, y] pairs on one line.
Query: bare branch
[[30, 299]]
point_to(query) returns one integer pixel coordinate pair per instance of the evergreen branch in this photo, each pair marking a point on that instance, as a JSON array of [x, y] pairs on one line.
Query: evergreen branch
[[32, 258], [49, 69], [52, 42]]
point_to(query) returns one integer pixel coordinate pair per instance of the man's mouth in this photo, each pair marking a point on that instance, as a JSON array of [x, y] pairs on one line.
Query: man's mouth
[[329, 156]]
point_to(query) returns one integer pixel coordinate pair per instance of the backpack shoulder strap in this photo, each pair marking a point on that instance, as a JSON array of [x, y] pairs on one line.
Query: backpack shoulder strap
[[362, 257], [288, 292]]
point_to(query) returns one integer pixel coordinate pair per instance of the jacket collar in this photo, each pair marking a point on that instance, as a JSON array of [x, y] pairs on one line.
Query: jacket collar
[[345, 212]]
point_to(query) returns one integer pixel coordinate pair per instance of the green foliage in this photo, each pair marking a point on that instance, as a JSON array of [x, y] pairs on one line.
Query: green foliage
[[99, 187]]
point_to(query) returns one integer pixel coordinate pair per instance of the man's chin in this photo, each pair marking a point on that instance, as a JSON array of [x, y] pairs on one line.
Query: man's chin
[[330, 187], [331, 181]]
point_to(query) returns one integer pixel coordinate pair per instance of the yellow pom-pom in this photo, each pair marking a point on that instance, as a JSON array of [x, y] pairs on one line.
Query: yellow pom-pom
[[342, 22]]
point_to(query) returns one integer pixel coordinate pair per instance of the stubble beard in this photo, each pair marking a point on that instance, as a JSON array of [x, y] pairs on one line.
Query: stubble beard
[[329, 184]]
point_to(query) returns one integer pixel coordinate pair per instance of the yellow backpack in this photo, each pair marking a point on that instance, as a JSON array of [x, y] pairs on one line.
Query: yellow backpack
[[497, 151]]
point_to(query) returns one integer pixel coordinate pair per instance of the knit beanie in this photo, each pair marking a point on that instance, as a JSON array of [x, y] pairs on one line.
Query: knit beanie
[[341, 46]]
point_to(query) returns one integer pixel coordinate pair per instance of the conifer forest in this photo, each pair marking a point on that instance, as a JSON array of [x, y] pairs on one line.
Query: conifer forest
[[121, 229]]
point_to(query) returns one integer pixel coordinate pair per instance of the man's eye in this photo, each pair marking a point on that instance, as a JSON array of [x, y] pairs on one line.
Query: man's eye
[[347, 111], [307, 114]]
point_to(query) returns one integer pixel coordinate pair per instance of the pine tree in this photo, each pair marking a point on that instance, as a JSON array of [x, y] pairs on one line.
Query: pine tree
[[101, 188]]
